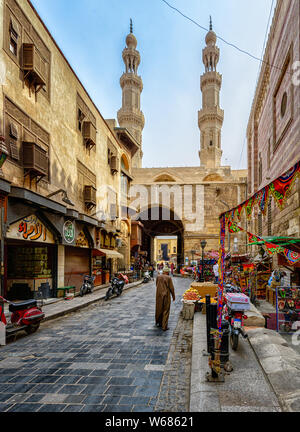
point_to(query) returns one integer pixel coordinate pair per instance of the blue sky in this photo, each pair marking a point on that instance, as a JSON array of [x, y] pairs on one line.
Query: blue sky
[[91, 34]]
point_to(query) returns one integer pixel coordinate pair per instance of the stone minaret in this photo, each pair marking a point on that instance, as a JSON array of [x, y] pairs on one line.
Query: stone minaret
[[211, 116], [130, 115]]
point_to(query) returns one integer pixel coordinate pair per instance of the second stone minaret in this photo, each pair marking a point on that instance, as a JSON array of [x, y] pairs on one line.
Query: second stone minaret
[[130, 115], [211, 116]]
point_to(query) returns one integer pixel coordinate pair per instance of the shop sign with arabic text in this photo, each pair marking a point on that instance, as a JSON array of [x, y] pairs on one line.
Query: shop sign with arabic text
[[31, 229]]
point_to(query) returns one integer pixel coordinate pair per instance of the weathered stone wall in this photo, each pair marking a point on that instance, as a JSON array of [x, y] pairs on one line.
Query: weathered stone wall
[[57, 116], [274, 124], [223, 190]]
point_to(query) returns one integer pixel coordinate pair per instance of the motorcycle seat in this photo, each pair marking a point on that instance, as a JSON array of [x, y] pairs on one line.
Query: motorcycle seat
[[26, 304]]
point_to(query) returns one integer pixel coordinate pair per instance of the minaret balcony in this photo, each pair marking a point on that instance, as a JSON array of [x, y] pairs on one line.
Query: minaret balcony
[[209, 78], [130, 79], [207, 115], [131, 117]]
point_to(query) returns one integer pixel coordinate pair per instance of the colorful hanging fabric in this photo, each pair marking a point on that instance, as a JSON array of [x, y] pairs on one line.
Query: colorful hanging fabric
[[221, 263], [252, 239], [233, 227], [238, 211], [273, 248], [249, 204], [292, 256], [281, 187], [262, 199]]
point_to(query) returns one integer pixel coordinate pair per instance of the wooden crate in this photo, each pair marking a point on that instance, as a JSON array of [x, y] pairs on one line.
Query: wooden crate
[[205, 288]]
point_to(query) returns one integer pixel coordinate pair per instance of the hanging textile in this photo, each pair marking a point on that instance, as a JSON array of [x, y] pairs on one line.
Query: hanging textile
[[282, 185], [278, 188], [291, 256], [221, 263], [262, 199]]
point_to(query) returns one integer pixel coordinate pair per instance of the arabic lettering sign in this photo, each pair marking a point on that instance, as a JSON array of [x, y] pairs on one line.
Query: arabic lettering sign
[[31, 229], [69, 231]]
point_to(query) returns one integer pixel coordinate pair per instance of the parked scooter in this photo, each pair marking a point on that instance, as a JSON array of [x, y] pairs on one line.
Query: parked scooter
[[87, 286], [235, 316], [147, 277], [236, 321], [117, 285], [25, 315]]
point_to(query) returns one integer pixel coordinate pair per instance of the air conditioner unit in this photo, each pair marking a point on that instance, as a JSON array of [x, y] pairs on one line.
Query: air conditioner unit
[[90, 196], [35, 159], [89, 134], [114, 164], [34, 66]]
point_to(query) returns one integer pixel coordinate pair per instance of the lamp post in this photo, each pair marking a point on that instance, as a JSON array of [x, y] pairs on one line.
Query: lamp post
[[203, 244]]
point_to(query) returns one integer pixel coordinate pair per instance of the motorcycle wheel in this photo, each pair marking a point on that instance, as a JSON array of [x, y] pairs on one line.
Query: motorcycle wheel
[[82, 291], [234, 341], [32, 328], [108, 294]]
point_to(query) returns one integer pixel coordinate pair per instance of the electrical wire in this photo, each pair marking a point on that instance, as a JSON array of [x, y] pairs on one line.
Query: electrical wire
[[222, 39]]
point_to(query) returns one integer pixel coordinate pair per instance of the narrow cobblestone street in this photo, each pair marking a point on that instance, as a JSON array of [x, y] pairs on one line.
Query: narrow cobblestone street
[[107, 357]]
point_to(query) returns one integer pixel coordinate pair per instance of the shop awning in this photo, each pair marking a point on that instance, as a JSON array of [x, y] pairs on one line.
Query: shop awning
[[111, 253]]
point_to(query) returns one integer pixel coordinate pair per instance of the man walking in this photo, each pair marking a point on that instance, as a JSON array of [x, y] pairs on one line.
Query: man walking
[[216, 272], [164, 290]]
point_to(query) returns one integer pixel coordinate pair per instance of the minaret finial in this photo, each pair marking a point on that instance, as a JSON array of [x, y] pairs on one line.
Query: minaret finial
[[210, 23], [131, 27]]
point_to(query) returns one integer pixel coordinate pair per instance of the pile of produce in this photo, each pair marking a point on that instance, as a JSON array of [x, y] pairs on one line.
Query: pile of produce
[[191, 294], [212, 300]]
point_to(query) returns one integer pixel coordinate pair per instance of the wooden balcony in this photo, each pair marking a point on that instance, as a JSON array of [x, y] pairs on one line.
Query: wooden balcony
[[35, 159], [34, 66], [89, 134], [90, 196], [114, 164]]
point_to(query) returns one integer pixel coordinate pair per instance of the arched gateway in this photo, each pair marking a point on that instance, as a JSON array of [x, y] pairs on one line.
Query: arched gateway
[[161, 221]]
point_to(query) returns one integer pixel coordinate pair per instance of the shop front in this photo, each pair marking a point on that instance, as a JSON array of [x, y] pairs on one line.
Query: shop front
[[104, 256], [30, 252], [77, 257]]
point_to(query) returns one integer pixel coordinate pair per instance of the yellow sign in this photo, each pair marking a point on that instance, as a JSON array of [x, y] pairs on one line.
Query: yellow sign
[[81, 240], [31, 229]]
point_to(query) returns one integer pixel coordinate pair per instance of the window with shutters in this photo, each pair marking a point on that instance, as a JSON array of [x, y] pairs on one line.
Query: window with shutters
[[19, 128], [81, 117], [18, 32], [111, 155], [13, 37], [13, 142]]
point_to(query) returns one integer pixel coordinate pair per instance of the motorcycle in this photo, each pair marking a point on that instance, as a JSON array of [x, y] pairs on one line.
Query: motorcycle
[[235, 314], [87, 286], [147, 277], [25, 315], [117, 285]]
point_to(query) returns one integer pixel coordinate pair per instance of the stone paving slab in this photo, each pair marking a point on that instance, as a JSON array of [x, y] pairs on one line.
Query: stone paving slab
[[108, 356], [281, 365], [244, 389]]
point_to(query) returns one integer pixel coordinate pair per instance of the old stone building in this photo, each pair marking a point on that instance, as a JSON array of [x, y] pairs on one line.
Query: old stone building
[[65, 169], [274, 124], [186, 201]]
